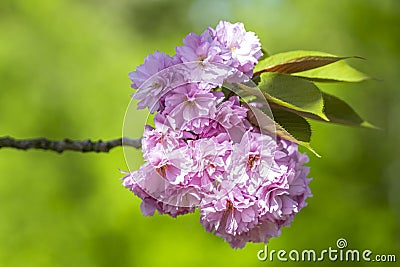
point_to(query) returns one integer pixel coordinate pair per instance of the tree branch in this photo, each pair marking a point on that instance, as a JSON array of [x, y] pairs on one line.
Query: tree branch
[[67, 144]]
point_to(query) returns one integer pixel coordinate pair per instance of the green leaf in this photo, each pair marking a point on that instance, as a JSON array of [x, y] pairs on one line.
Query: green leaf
[[295, 61], [296, 125], [337, 72], [313, 65], [292, 93], [338, 111], [262, 120]]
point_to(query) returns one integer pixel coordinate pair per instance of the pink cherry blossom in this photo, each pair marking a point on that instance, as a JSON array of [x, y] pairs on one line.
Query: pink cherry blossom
[[203, 152]]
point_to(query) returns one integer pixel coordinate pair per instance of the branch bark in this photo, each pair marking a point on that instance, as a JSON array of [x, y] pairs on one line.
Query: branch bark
[[68, 144]]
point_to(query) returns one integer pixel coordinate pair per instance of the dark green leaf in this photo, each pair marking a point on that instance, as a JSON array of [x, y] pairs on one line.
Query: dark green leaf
[[260, 119], [338, 111], [296, 125]]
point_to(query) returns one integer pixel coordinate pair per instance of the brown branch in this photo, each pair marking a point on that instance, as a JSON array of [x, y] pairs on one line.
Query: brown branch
[[67, 144]]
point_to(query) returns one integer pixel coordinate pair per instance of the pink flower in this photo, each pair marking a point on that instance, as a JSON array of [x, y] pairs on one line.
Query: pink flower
[[261, 233], [171, 165], [163, 136], [150, 85], [210, 160], [252, 160], [284, 195], [174, 201], [254, 210], [199, 48], [232, 118], [244, 47], [229, 213], [153, 64], [188, 102]]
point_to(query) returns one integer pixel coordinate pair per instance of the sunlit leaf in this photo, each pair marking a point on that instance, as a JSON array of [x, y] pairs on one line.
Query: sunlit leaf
[[313, 65], [295, 61], [292, 93], [337, 72]]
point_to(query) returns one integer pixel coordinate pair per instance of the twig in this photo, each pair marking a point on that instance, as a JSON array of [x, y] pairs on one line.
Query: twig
[[67, 144]]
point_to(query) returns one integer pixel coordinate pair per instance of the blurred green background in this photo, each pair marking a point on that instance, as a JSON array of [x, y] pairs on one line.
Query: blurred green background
[[63, 73]]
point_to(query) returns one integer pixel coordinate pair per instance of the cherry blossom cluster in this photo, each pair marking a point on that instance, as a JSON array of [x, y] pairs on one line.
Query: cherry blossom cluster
[[203, 152]]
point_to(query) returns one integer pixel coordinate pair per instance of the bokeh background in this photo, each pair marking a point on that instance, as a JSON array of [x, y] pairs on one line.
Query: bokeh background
[[63, 73]]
